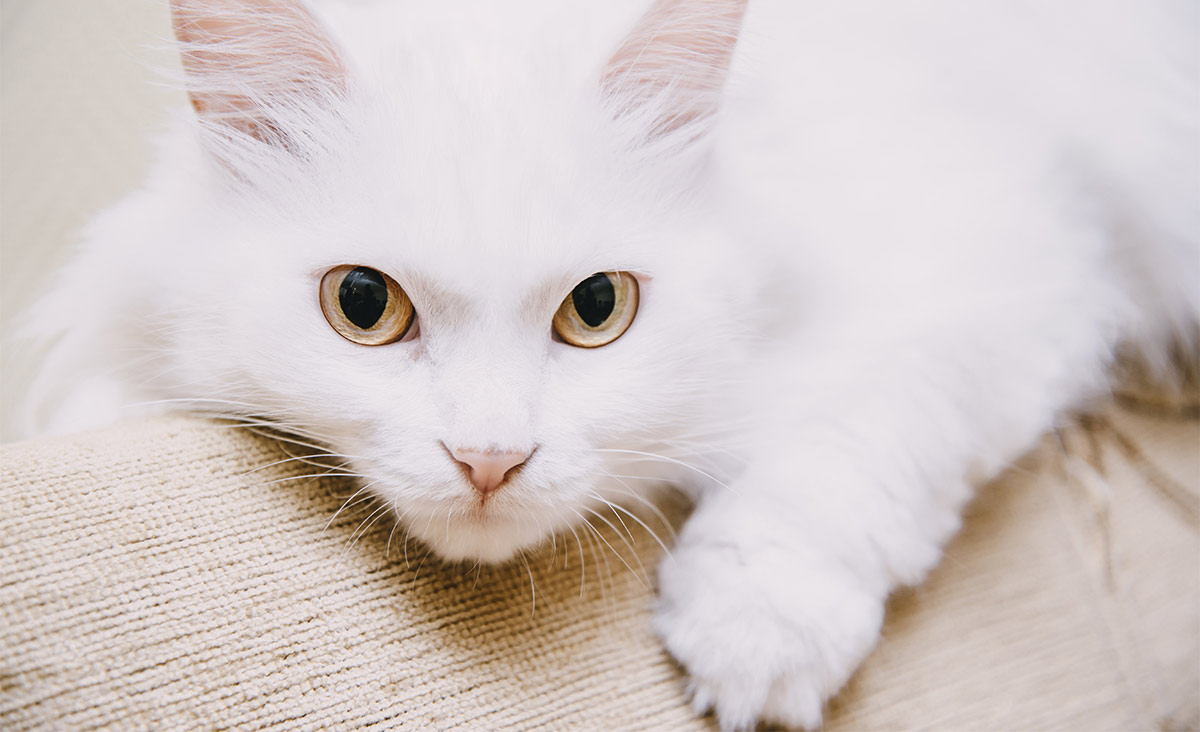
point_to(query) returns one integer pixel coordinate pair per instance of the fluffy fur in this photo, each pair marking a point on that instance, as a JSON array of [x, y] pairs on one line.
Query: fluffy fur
[[881, 246]]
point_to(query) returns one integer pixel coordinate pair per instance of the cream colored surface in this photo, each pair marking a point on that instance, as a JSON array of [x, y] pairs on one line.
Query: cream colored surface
[[81, 99], [151, 581]]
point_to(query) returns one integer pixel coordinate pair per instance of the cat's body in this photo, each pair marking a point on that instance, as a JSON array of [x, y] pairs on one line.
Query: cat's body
[[909, 238]]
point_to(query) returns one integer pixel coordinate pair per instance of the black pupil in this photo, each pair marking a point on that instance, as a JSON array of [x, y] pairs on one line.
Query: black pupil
[[363, 296], [594, 299]]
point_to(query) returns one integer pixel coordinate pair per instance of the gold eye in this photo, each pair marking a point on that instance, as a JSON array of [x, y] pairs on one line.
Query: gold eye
[[365, 306], [598, 310]]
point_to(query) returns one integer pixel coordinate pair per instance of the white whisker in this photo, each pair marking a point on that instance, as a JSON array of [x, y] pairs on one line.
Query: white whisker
[[532, 588], [641, 567], [616, 507], [673, 461], [311, 475], [348, 502], [364, 527]]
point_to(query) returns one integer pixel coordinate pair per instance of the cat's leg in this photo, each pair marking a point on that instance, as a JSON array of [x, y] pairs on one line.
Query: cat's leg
[[776, 590]]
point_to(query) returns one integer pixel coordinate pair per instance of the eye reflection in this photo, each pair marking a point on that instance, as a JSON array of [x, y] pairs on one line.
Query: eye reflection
[[594, 299], [598, 311], [363, 295], [365, 306]]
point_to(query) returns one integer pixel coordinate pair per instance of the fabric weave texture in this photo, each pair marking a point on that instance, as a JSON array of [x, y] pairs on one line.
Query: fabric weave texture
[[157, 576]]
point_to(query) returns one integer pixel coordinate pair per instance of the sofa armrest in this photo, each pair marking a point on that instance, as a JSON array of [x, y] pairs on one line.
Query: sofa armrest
[[150, 580]]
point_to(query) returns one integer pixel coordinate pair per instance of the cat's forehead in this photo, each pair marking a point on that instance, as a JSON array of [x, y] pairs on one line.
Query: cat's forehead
[[493, 172], [475, 168], [487, 203], [488, 244], [469, 270]]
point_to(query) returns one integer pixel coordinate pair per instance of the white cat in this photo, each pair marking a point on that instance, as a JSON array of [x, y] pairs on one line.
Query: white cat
[[825, 265]]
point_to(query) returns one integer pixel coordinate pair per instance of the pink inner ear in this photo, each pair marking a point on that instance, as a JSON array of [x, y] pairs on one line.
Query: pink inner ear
[[243, 55], [676, 58]]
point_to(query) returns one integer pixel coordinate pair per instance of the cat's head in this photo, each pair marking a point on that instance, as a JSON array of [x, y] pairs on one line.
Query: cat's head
[[497, 289]]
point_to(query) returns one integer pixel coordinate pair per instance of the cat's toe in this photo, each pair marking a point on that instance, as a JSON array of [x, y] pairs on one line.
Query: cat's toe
[[735, 703], [794, 701]]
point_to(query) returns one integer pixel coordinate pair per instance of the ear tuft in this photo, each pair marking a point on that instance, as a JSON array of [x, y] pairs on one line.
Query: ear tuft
[[246, 60], [668, 74]]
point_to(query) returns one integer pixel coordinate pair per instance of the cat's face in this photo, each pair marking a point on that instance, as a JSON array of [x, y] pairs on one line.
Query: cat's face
[[485, 214]]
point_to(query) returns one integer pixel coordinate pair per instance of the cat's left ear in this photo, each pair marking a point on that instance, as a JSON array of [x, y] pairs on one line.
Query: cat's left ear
[[666, 78], [251, 62]]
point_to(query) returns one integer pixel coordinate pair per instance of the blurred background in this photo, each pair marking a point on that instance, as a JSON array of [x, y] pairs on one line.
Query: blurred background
[[82, 98]]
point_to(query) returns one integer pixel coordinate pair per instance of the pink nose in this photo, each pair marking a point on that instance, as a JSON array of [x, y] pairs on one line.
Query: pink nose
[[488, 468]]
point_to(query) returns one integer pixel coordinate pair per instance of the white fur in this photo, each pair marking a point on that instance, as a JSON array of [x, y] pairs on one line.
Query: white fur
[[912, 236]]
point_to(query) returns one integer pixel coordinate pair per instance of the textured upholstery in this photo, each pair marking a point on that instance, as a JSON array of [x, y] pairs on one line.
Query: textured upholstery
[[150, 580]]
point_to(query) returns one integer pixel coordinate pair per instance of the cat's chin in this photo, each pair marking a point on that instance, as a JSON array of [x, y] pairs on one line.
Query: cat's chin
[[490, 541]]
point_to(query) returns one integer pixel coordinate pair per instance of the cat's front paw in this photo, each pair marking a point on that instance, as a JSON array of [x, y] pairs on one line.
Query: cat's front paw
[[765, 632]]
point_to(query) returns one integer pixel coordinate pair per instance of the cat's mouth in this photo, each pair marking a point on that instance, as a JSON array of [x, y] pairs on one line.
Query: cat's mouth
[[477, 532], [488, 540], [460, 521]]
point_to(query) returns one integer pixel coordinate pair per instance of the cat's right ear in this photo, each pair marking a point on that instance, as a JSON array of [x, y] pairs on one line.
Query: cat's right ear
[[252, 63], [665, 80]]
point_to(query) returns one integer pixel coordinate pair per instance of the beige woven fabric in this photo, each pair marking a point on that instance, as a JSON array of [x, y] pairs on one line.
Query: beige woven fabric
[[150, 582]]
